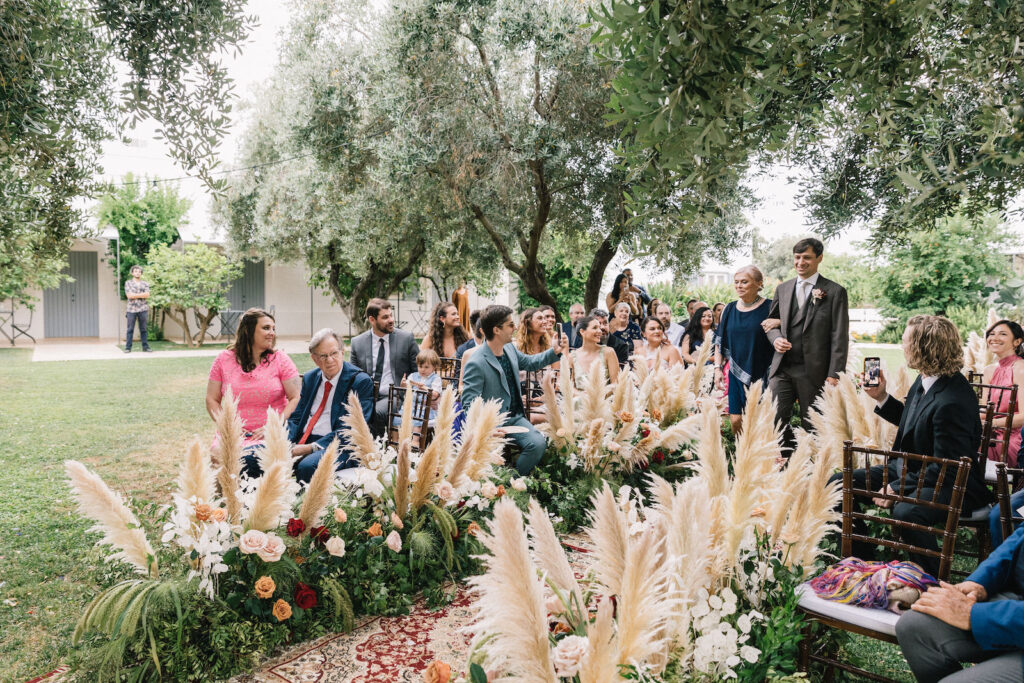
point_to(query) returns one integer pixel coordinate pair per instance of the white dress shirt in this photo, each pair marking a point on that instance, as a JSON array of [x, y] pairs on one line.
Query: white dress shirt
[[927, 382], [323, 425], [675, 333], [386, 380], [804, 287]]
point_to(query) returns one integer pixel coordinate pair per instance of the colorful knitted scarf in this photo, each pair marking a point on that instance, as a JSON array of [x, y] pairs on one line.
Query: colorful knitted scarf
[[868, 584]]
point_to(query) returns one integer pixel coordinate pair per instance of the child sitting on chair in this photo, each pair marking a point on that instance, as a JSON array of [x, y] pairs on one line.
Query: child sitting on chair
[[427, 378]]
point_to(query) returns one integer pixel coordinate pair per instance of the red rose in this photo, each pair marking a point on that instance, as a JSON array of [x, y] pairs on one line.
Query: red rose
[[295, 527], [320, 535], [644, 465], [305, 597], [658, 457], [645, 432]]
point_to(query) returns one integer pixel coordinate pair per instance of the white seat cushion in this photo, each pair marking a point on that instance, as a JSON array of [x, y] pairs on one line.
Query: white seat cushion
[[867, 617], [990, 471]]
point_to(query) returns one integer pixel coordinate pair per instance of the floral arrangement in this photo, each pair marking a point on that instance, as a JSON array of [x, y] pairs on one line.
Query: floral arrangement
[[245, 566], [683, 586]]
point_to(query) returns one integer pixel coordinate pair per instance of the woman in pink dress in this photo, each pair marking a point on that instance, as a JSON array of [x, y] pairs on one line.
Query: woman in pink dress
[[259, 378], [1006, 340]]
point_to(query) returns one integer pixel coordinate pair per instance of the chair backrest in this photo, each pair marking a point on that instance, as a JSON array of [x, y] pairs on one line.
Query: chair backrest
[[420, 415], [950, 473], [1002, 418], [450, 367], [1004, 475]]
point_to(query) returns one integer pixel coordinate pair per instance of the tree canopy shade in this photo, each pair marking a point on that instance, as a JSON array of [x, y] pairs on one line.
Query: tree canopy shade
[[905, 111], [58, 103], [461, 137]]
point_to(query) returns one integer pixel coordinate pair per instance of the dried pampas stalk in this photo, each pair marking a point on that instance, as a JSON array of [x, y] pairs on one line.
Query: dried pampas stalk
[[229, 439], [275, 441], [554, 429], [426, 476], [678, 434], [490, 442], [118, 524], [405, 427], [443, 428], [321, 486], [699, 367], [859, 427], [274, 494], [818, 515], [790, 484], [712, 463], [591, 451], [195, 477], [357, 432], [567, 390], [593, 405], [401, 489], [550, 557], [600, 662], [622, 396], [610, 538], [641, 609], [511, 620]]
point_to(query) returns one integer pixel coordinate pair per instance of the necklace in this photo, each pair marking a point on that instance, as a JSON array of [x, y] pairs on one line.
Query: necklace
[[751, 306]]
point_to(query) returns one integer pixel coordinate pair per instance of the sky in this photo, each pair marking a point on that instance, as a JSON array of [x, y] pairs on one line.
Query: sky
[[776, 215]]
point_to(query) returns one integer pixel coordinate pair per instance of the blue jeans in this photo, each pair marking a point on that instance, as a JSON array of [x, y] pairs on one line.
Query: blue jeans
[[305, 468], [141, 316], [532, 443], [995, 525]]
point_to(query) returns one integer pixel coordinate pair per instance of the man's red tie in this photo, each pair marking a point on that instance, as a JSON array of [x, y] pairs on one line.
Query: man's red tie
[[317, 414]]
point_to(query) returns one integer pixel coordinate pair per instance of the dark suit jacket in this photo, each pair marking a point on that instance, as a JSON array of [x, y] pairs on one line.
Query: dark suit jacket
[[825, 330], [946, 425], [622, 349], [351, 379], [1000, 625], [466, 346], [401, 347], [569, 329]]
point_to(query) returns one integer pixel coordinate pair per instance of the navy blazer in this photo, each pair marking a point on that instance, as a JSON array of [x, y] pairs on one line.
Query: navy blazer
[[465, 346], [351, 379], [999, 625]]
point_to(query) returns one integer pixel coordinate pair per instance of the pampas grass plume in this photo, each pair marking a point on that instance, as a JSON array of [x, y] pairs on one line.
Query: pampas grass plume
[[549, 555], [401, 488], [195, 476], [357, 432], [321, 486], [275, 441], [274, 492], [610, 537], [426, 475]]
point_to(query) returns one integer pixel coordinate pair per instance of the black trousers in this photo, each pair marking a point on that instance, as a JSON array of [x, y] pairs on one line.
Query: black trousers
[[791, 384]]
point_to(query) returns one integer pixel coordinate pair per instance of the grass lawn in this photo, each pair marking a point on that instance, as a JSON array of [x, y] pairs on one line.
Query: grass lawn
[[167, 345], [128, 421]]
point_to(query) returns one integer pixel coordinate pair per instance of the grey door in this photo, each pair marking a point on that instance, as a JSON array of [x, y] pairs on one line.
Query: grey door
[[247, 291], [73, 309]]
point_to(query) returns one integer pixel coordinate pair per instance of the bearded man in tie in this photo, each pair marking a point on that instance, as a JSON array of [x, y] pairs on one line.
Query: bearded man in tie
[[809, 326], [940, 419], [319, 416]]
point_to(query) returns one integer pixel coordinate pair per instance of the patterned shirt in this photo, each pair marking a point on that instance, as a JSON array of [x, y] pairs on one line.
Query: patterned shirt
[[134, 286], [515, 407]]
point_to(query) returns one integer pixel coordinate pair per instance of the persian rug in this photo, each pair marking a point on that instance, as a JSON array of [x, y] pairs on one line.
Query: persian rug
[[391, 649]]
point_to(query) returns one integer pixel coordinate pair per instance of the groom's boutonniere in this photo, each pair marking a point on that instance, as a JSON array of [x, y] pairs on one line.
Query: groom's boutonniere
[[817, 295]]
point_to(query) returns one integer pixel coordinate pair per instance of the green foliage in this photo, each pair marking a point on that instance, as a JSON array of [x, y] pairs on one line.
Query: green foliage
[[957, 261], [891, 105], [567, 282], [60, 62], [194, 280], [970, 318], [676, 295], [144, 217]]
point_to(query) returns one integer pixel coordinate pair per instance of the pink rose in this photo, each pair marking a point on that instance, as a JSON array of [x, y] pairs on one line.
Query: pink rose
[[340, 516], [445, 491], [394, 541], [569, 654], [252, 541], [272, 550], [396, 521], [336, 546], [518, 484], [488, 490]]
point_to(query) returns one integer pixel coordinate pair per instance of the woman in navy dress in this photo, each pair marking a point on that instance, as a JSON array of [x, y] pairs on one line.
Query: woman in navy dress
[[742, 342]]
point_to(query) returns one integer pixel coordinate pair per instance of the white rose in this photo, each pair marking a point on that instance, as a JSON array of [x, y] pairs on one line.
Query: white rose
[[488, 490], [252, 541], [394, 541], [445, 491], [272, 549], [519, 484], [335, 546], [568, 655]]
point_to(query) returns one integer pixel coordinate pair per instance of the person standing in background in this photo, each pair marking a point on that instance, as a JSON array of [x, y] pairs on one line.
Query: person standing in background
[[136, 291], [460, 297]]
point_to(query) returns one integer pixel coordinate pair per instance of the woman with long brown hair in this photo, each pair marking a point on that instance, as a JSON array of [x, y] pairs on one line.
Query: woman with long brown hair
[[531, 336], [446, 333], [259, 376]]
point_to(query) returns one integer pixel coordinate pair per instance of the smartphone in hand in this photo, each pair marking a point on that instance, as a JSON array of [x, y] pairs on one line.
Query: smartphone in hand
[[872, 371]]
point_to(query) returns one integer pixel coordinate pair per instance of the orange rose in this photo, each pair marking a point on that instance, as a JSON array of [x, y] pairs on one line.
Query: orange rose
[[656, 414], [561, 627], [202, 512], [437, 672], [375, 530], [626, 416], [265, 587], [219, 515], [282, 610], [473, 529], [501, 490]]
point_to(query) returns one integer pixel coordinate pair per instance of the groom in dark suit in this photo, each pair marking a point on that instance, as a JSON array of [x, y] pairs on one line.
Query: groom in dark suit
[[812, 339]]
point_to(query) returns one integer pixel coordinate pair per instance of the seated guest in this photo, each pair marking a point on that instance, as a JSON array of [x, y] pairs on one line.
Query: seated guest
[[547, 320], [979, 621], [493, 373], [576, 311], [940, 419], [259, 377], [716, 310], [622, 293], [532, 335], [319, 417], [624, 328], [1005, 339], [426, 378], [700, 330], [691, 306], [591, 350], [622, 350], [645, 298], [385, 354], [654, 351], [673, 331], [477, 338], [446, 334]]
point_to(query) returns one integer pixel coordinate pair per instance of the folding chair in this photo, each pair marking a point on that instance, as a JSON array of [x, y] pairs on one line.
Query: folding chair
[[420, 416], [451, 368], [978, 519], [1000, 431], [879, 623]]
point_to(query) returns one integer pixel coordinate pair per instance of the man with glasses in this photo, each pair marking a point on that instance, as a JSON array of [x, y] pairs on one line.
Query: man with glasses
[[492, 373], [319, 416]]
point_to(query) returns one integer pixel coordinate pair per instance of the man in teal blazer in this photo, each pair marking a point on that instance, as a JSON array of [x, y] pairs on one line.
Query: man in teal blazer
[[493, 373]]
